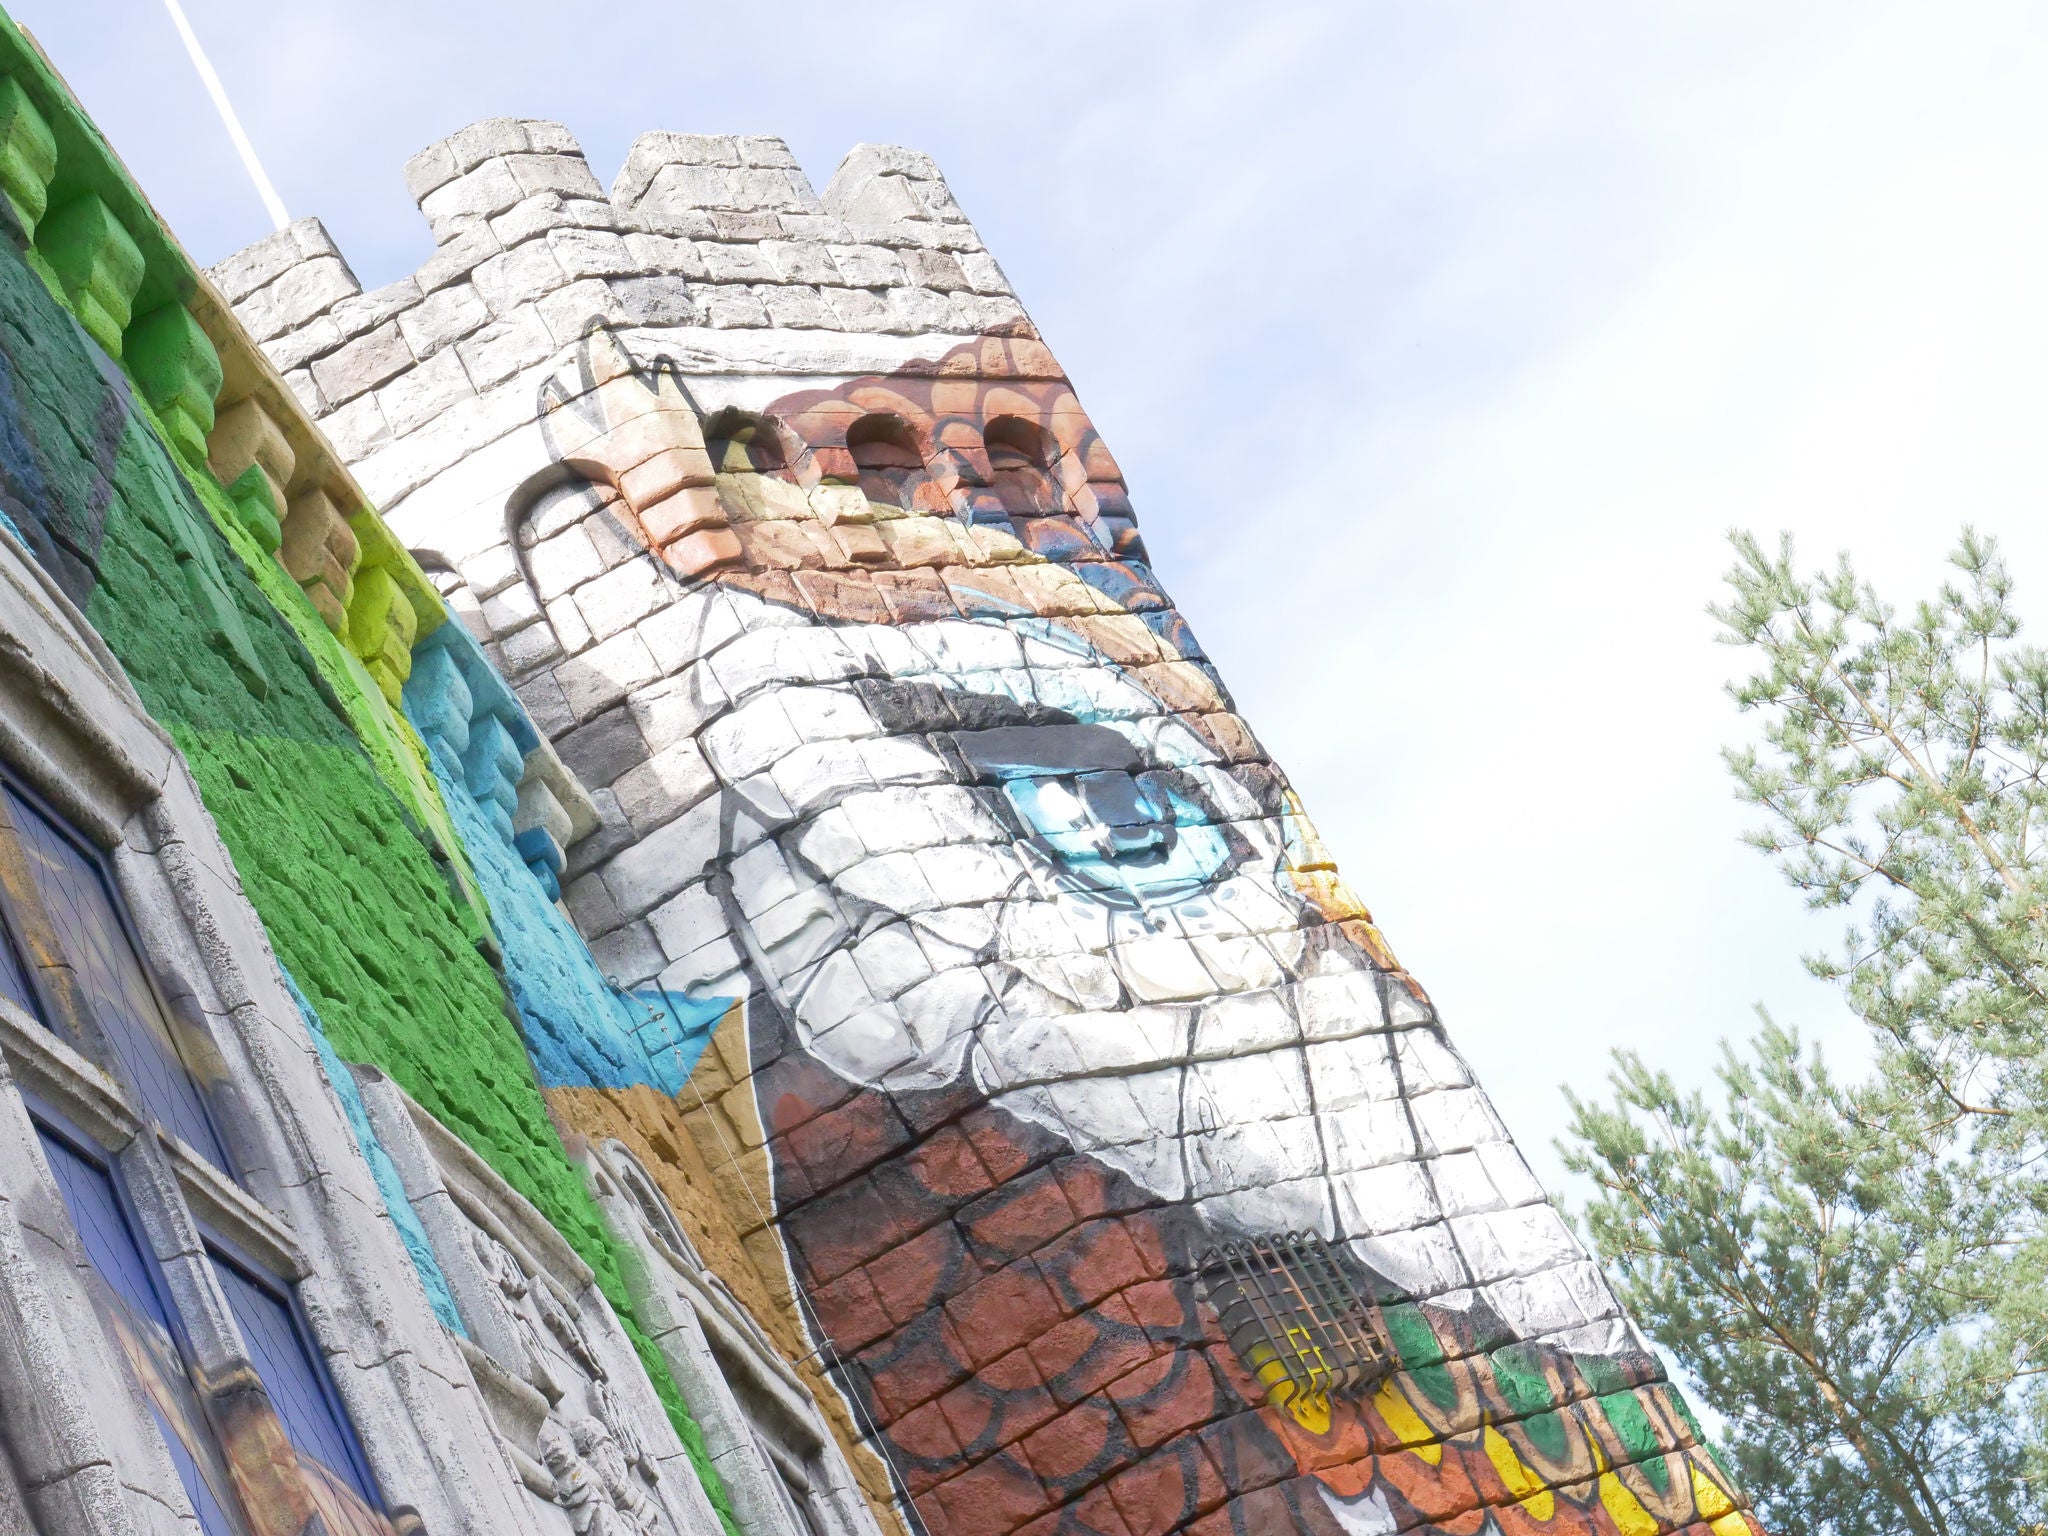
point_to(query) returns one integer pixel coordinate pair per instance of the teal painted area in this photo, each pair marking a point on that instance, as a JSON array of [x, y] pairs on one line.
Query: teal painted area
[[581, 1032], [382, 1169]]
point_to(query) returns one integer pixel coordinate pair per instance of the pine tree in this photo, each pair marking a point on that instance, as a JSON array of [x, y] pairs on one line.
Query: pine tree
[[1857, 1274]]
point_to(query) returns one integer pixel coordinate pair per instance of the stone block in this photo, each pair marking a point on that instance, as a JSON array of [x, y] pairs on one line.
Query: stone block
[[362, 364], [258, 508], [778, 189], [866, 199], [458, 257], [666, 253], [420, 394], [991, 316], [661, 474], [179, 372], [293, 350], [533, 646], [621, 597], [801, 261], [441, 317], [566, 620], [311, 288], [488, 139], [658, 300], [657, 866], [590, 253], [744, 226], [469, 199], [797, 308], [654, 153], [381, 628], [682, 513], [511, 610], [857, 309], [737, 264], [497, 351], [98, 264], [431, 168], [358, 428], [364, 311], [518, 276], [568, 175], [982, 273], [246, 436], [934, 269], [660, 788], [262, 263], [868, 266], [602, 676], [913, 311], [559, 564], [728, 306], [599, 752], [584, 306], [28, 156], [320, 551], [629, 955]]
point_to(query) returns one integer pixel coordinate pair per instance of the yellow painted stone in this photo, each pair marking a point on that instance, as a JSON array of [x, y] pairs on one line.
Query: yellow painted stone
[[1515, 1475], [1707, 1494], [1407, 1423], [1625, 1509]]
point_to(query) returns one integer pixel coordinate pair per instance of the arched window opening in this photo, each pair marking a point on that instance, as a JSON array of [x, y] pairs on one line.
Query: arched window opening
[[739, 1384], [566, 527], [752, 456], [1020, 458], [890, 466], [647, 1199], [743, 443]]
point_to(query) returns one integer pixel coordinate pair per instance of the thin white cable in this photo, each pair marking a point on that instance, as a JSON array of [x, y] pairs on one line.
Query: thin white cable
[[271, 201]]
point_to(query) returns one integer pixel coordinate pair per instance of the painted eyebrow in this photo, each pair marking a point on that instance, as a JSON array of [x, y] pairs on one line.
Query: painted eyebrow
[[1054, 749]]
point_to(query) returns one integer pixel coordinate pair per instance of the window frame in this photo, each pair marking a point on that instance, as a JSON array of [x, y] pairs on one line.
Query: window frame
[[77, 743], [111, 1123], [724, 1336], [51, 1009], [50, 1125]]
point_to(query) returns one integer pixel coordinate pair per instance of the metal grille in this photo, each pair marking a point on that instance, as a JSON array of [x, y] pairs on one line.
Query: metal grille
[[1295, 1319]]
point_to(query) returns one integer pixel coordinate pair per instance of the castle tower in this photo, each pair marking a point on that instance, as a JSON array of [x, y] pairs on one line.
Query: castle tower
[[1060, 1102]]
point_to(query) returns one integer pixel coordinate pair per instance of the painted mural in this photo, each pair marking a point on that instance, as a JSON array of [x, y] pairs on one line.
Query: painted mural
[[960, 971], [1054, 992]]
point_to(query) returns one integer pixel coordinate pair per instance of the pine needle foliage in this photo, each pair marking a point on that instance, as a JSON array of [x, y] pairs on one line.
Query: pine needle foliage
[[1857, 1274]]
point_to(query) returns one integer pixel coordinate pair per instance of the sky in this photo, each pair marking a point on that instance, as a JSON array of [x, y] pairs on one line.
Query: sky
[[1441, 347]]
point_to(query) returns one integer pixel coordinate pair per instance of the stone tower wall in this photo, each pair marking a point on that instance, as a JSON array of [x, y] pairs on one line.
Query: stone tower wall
[[1039, 1001]]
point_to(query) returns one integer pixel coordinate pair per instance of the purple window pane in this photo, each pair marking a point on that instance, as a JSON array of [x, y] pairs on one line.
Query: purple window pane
[[304, 1399], [81, 908], [131, 1308]]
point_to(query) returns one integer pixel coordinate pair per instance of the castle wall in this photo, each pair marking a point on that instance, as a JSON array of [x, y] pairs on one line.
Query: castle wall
[[209, 633], [1046, 1026]]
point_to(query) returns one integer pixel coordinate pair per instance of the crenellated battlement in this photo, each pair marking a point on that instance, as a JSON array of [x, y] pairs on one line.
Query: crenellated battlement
[[699, 231]]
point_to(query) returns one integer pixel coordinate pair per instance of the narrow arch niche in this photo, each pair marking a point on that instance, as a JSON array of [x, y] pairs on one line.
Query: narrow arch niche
[[754, 458], [1021, 455], [742, 442], [890, 465]]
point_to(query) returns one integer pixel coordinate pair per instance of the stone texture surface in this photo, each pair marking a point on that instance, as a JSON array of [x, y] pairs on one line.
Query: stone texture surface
[[1041, 984]]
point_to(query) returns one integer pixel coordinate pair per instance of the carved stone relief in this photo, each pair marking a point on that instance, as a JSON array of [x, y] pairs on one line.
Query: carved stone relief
[[573, 1408], [780, 1464]]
